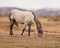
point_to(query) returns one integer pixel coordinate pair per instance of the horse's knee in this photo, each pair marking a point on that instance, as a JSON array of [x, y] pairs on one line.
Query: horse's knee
[[29, 28], [22, 31]]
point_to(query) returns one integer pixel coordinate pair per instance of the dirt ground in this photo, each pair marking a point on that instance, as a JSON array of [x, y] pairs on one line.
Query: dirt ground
[[50, 38]]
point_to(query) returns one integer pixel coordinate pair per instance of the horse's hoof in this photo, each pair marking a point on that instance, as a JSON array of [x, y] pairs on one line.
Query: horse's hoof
[[29, 35], [21, 34], [11, 34]]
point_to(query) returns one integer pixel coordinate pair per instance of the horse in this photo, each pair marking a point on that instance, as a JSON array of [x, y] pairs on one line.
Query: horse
[[27, 18]]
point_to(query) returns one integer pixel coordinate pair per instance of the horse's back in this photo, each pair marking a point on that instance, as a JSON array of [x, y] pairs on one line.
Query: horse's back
[[22, 13], [22, 16]]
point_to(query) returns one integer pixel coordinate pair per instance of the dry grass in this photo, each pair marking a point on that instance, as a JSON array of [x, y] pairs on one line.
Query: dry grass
[[50, 38]]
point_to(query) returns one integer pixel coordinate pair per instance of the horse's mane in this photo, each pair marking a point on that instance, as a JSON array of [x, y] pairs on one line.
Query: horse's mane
[[32, 12]]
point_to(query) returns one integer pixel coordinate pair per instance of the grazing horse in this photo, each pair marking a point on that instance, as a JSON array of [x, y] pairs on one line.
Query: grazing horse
[[27, 18]]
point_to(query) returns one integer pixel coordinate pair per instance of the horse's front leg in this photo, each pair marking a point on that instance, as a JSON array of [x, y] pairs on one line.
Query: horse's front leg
[[23, 28], [29, 29], [11, 27]]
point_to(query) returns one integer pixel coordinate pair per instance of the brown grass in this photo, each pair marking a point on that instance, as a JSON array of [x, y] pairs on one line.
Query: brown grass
[[50, 38]]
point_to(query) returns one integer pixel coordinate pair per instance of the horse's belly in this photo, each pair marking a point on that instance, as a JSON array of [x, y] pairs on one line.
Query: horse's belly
[[20, 20]]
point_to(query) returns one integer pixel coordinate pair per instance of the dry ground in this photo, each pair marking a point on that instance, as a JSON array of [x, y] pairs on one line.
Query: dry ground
[[50, 38]]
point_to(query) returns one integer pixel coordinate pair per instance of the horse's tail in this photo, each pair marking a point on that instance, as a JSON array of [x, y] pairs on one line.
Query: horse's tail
[[38, 25], [12, 20]]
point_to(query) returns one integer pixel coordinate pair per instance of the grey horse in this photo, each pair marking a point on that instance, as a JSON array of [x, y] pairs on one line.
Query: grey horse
[[27, 18]]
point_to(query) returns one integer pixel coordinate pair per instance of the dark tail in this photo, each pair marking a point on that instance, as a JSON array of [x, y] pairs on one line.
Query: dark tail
[[14, 21], [38, 25]]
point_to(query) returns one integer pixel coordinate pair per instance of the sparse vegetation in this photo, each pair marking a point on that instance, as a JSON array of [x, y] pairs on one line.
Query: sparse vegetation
[[4, 15], [51, 17], [50, 38]]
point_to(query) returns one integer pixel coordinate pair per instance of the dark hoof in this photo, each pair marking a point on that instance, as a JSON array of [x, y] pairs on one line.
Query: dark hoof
[[29, 35], [11, 34], [21, 34]]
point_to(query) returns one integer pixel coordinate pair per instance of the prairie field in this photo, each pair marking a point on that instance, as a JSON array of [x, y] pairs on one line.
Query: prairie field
[[49, 39]]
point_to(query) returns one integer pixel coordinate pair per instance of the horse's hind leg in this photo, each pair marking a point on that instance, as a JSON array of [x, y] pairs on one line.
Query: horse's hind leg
[[23, 28], [11, 26], [29, 28]]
